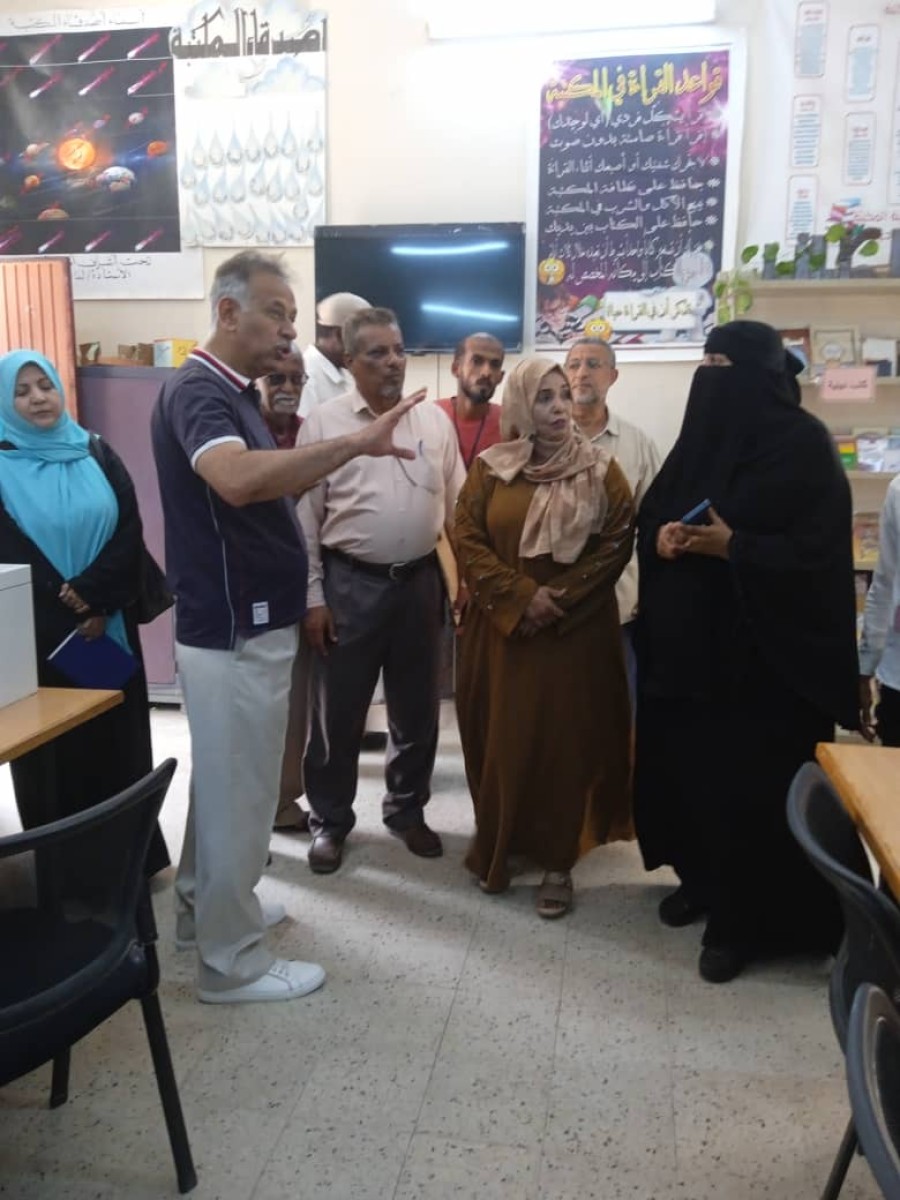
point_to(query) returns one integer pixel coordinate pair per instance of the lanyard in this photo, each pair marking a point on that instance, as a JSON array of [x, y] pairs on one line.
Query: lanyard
[[467, 462]]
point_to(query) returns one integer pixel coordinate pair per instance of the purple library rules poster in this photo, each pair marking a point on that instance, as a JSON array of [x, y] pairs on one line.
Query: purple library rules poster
[[631, 198]]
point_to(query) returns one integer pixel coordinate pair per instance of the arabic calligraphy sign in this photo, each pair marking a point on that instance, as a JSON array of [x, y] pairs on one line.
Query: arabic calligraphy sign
[[138, 276], [631, 197], [250, 102]]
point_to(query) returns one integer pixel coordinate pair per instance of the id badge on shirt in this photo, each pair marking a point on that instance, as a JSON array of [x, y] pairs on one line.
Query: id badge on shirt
[[261, 613]]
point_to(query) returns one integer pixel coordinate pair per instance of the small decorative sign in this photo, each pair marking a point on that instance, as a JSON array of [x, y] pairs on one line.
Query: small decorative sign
[[847, 385]]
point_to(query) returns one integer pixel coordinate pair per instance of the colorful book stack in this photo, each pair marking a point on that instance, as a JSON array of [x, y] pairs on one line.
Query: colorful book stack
[[870, 449], [846, 448]]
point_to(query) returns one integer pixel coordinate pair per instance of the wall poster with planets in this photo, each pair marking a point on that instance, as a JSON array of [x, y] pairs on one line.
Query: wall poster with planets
[[88, 151], [637, 196]]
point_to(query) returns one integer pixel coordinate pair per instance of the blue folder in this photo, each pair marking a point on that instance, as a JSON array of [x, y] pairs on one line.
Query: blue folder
[[99, 663]]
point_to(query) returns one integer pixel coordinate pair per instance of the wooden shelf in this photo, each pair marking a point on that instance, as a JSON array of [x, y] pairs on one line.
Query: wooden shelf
[[876, 475], [864, 566], [781, 287], [884, 383]]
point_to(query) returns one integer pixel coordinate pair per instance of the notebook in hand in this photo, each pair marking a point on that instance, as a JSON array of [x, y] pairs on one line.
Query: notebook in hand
[[99, 663]]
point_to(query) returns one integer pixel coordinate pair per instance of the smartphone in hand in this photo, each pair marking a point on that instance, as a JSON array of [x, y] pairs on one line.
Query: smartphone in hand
[[697, 513]]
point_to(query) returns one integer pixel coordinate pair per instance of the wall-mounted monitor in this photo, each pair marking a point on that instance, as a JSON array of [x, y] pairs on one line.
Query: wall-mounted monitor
[[443, 281]]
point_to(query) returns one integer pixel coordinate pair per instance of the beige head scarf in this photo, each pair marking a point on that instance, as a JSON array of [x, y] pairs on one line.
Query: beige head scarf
[[571, 502]]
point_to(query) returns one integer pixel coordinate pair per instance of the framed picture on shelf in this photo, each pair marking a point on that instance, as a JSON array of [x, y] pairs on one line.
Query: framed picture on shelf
[[881, 353], [835, 346], [798, 342]]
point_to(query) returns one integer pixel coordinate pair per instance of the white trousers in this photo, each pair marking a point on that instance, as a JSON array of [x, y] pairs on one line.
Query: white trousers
[[237, 710]]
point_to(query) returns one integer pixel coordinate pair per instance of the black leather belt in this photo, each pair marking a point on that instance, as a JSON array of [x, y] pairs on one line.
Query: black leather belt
[[393, 571]]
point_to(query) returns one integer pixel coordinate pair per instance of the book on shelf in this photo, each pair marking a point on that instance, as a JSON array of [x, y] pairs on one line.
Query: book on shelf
[[871, 448], [845, 444], [861, 587], [865, 539], [880, 352], [797, 341], [892, 453]]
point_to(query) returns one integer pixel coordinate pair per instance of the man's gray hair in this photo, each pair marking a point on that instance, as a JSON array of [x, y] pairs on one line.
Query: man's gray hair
[[232, 277], [594, 341], [365, 319]]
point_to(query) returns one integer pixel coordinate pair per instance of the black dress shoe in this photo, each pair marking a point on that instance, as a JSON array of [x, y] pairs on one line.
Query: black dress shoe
[[721, 963], [679, 909], [326, 851], [421, 840]]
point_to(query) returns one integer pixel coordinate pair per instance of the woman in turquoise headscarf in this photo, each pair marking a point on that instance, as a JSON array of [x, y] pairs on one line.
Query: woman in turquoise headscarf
[[68, 509]]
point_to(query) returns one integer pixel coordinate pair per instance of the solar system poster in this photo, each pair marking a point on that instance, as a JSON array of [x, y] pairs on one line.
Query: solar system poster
[[87, 142]]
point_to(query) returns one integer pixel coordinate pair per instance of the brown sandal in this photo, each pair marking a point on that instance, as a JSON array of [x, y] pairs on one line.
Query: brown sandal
[[554, 895]]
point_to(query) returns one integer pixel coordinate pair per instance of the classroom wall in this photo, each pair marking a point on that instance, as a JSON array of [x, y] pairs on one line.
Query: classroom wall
[[421, 131]]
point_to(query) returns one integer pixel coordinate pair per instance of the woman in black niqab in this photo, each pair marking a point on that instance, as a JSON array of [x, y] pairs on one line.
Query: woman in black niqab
[[746, 651]]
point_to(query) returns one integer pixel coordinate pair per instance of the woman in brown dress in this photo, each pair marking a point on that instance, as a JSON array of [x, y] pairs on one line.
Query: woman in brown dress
[[544, 528]]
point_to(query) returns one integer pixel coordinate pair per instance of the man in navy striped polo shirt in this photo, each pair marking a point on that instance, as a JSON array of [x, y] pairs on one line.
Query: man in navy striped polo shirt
[[237, 564]]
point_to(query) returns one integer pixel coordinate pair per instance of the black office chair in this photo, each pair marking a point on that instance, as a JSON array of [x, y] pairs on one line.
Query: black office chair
[[870, 951], [83, 945], [873, 1080]]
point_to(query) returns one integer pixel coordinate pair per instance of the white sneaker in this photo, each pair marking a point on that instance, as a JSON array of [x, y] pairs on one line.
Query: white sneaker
[[273, 914], [284, 980]]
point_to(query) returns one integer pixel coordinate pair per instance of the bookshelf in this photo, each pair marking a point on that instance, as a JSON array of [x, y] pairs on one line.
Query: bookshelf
[[815, 289], [871, 306]]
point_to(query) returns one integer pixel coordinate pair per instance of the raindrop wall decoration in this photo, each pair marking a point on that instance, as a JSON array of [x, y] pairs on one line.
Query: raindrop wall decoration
[[216, 153], [252, 148], [235, 152]]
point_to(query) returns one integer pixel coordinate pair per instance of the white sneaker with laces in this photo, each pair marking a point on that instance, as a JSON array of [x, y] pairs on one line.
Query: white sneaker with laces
[[273, 914], [284, 980]]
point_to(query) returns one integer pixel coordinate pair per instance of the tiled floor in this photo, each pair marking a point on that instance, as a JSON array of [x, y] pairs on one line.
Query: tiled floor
[[460, 1048]]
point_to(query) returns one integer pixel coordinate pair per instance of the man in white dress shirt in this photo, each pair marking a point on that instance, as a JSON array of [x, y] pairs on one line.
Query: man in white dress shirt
[[326, 370], [591, 370], [375, 601]]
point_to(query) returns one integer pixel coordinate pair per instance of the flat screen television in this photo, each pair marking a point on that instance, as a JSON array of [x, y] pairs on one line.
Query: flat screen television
[[442, 281]]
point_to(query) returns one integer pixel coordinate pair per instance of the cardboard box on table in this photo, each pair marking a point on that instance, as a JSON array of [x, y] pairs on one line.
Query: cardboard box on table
[[18, 677]]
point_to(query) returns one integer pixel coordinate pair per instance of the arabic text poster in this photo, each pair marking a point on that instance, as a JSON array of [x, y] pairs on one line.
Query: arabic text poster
[[88, 149], [250, 86], [631, 197], [844, 116]]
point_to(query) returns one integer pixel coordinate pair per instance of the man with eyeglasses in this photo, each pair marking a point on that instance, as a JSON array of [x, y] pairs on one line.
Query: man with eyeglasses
[[591, 371], [375, 601], [238, 566], [279, 394]]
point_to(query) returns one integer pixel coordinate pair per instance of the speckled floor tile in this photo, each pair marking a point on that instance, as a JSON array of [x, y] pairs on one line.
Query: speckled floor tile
[[743, 1027], [625, 1111], [332, 1164], [725, 1118], [443, 1169], [492, 1074], [460, 1047], [604, 1175], [360, 1088]]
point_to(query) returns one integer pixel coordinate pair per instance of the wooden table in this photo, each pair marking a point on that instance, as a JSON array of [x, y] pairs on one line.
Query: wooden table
[[48, 712], [867, 778]]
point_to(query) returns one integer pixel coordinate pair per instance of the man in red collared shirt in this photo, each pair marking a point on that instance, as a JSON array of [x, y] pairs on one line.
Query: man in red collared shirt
[[478, 369]]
